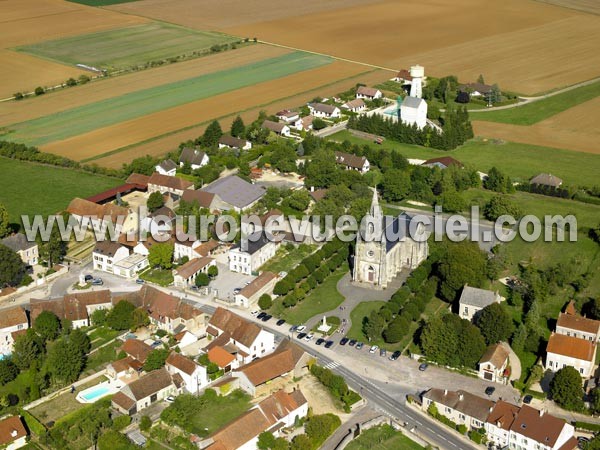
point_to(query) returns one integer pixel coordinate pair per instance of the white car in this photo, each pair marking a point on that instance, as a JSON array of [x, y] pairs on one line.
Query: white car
[[254, 313], [309, 337], [300, 328], [170, 399], [374, 348]]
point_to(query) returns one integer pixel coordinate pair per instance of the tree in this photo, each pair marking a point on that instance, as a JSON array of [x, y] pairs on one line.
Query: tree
[[566, 389], [8, 371], [265, 302], [301, 442], [463, 263], [319, 428], [373, 326], [98, 317], [202, 279], [595, 403], [155, 201], [113, 440], [480, 79], [498, 181], [212, 134], [4, 223], [39, 90], [120, 317], [54, 250], [238, 129], [27, 349], [156, 359], [319, 124], [395, 185], [298, 200], [145, 423], [495, 323], [12, 268], [80, 341], [500, 205], [139, 318], [47, 325], [161, 255], [452, 202], [213, 271], [65, 361]]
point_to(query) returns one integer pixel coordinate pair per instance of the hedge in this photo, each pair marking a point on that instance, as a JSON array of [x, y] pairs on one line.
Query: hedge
[[34, 425]]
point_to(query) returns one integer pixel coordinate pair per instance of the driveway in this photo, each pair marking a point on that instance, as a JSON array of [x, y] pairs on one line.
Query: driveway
[[227, 281]]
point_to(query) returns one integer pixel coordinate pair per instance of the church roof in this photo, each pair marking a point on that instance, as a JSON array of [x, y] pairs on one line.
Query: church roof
[[396, 229]]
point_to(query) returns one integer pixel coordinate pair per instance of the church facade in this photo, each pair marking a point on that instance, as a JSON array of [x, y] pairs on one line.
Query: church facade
[[377, 261]]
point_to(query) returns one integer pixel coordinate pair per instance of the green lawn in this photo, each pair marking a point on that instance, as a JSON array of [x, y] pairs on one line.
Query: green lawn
[[108, 112], [286, 260], [126, 47], [383, 438], [102, 356], [323, 298], [537, 111], [101, 336], [357, 316], [158, 276], [521, 161], [39, 189]]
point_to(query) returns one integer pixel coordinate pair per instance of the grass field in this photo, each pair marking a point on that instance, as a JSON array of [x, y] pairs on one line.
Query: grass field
[[39, 189], [286, 260], [539, 110], [126, 47], [357, 316], [521, 161], [382, 438], [112, 111]]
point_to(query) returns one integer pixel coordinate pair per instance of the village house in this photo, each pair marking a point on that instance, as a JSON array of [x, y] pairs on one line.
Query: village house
[[131, 266], [472, 300], [324, 110], [166, 167], [76, 308], [248, 340], [442, 162], [99, 217], [222, 358], [107, 253], [28, 251], [304, 123], [194, 249], [287, 116], [563, 351], [194, 376], [235, 193], [535, 429], [357, 105], [125, 370], [201, 199], [462, 407], [195, 158], [368, 93], [546, 180], [277, 411], [572, 324], [260, 248], [278, 128], [185, 275], [287, 362], [13, 322], [148, 389], [413, 111], [13, 434], [137, 350], [493, 364], [499, 421], [476, 89], [160, 221], [403, 77], [352, 162], [168, 185], [262, 284], [227, 141]]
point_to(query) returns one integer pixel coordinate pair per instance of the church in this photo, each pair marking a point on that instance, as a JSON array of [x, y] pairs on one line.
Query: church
[[378, 261]]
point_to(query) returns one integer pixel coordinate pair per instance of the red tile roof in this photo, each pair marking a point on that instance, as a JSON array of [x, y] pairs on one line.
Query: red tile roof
[[579, 323], [10, 317], [11, 429], [170, 182], [220, 356], [137, 349], [572, 347], [240, 329], [182, 363]]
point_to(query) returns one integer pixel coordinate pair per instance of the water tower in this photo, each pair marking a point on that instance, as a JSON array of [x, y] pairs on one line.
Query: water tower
[[416, 88]]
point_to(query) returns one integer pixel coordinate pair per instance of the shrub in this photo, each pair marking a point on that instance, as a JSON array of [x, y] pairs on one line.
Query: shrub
[[18, 96], [121, 422], [145, 423], [39, 90], [265, 301]]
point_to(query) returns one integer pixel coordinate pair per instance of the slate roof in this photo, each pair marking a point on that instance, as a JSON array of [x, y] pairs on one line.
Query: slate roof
[[18, 242], [192, 156], [350, 160], [256, 241], [232, 141], [235, 191], [167, 165], [571, 347], [11, 317], [477, 297]]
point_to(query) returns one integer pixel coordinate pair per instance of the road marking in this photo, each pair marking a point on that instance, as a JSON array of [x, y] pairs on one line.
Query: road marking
[[332, 365]]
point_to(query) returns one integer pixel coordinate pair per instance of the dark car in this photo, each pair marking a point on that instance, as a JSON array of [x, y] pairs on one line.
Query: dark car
[[97, 282], [261, 315], [328, 344], [140, 281], [344, 341], [527, 399], [395, 355], [359, 345], [88, 278], [352, 342], [490, 390], [293, 328], [423, 367], [382, 352], [280, 322], [301, 335], [320, 341], [266, 317]]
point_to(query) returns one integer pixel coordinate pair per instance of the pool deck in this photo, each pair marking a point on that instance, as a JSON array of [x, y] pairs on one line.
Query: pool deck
[[113, 386]]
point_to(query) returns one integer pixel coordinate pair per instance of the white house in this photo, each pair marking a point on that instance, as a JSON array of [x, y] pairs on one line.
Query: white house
[[227, 141], [535, 429], [195, 158], [497, 426], [166, 167], [304, 123], [168, 185], [131, 266], [356, 105], [287, 116], [276, 127], [493, 364], [249, 295], [107, 253], [563, 351], [572, 324], [141, 393], [76, 307], [352, 162], [13, 434], [472, 300], [194, 375], [13, 321], [18, 243], [413, 111], [462, 407], [260, 248], [194, 249], [324, 110], [368, 93], [185, 275]]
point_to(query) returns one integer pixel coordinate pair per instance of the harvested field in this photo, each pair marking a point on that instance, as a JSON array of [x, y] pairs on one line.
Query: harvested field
[[524, 46], [574, 129], [111, 112], [127, 47], [590, 6], [131, 132], [23, 73], [162, 145], [15, 112]]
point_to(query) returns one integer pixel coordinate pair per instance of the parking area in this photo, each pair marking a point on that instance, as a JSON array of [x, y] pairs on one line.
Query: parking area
[[228, 281]]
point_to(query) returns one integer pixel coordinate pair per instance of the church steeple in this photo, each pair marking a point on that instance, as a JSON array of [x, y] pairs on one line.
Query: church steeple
[[376, 212]]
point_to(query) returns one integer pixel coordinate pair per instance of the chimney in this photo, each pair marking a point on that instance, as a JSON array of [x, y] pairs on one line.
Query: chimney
[[445, 391], [541, 412], [461, 397], [312, 189], [490, 409], [14, 433]]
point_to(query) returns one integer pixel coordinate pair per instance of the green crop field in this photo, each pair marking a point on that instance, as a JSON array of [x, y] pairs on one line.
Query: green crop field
[[539, 110], [521, 161], [39, 189], [108, 112], [126, 47]]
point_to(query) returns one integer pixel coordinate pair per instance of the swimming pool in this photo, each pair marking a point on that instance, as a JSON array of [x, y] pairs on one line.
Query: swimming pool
[[94, 393]]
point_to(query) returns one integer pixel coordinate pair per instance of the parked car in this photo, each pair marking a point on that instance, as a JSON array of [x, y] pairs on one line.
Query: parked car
[[344, 341], [352, 342], [359, 345], [280, 322], [300, 328], [301, 335], [309, 337], [237, 291], [261, 315], [139, 281], [490, 390], [527, 399], [395, 355], [194, 288], [255, 312], [293, 328], [266, 317], [170, 399], [320, 341], [328, 344], [382, 352], [97, 282], [373, 349], [423, 367]]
